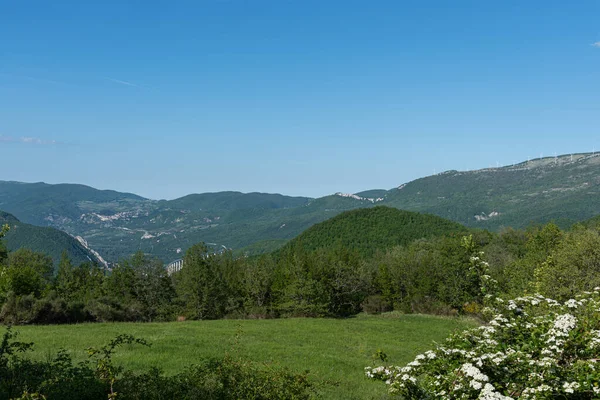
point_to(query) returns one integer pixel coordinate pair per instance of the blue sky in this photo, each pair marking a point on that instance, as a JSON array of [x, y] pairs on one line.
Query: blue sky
[[299, 97]]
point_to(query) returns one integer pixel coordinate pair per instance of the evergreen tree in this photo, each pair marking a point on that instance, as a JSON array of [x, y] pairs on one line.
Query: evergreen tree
[[200, 283], [64, 282]]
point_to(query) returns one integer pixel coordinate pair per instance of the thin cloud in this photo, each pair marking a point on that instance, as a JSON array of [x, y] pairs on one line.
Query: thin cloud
[[597, 44], [120, 82], [34, 140], [33, 78], [28, 140]]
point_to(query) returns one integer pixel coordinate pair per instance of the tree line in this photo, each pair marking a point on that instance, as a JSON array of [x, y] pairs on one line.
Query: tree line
[[430, 275]]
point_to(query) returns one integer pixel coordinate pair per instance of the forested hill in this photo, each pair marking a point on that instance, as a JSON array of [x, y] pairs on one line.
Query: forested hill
[[370, 229], [46, 240]]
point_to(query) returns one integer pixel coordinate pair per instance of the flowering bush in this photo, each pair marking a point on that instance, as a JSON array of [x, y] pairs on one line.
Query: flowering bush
[[531, 348]]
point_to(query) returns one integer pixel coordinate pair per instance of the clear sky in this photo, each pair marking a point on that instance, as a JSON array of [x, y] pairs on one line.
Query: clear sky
[[301, 97]]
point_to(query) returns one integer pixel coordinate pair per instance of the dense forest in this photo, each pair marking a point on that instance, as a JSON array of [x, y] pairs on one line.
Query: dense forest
[[430, 274]]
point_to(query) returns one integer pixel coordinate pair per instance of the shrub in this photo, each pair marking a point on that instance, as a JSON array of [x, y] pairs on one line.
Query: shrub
[[221, 379], [573, 266], [429, 305], [50, 309], [376, 304], [18, 309], [532, 348], [107, 309]]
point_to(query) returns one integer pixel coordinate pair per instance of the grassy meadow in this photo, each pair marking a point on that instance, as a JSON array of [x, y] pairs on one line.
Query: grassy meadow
[[334, 350]]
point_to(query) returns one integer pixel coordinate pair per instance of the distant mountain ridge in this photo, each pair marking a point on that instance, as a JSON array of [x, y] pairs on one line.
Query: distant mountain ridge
[[229, 201], [564, 189], [37, 203]]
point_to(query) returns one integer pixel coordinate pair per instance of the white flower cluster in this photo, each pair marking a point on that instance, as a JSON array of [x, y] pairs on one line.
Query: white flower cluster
[[475, 374], [487, 284], [558, 334], [489, 393], [570, 387], [595, 339], [532, 348]]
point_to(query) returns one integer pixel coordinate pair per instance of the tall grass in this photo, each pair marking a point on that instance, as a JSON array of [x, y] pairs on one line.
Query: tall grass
[[334, 350]]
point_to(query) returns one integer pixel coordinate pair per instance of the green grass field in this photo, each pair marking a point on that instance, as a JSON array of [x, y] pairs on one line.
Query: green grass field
[[334, 350]]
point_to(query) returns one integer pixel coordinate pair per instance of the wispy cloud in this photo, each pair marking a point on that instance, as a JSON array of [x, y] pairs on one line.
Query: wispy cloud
[[32, 78], [28, 140], [597, 44], [120, 82]]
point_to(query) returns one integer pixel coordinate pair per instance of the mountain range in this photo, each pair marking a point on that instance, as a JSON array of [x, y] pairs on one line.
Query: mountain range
[[563, 189]]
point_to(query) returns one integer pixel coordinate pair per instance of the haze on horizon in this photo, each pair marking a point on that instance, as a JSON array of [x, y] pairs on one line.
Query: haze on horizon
[[300, 98]]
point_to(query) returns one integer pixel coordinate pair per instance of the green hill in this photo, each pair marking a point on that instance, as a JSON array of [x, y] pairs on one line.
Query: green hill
[[371, 229], [46, 240]]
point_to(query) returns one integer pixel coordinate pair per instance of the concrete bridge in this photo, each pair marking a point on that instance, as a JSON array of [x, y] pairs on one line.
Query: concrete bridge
[[174, 266]]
